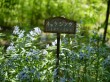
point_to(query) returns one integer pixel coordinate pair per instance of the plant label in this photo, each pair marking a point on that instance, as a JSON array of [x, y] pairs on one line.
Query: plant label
[[60, 25]]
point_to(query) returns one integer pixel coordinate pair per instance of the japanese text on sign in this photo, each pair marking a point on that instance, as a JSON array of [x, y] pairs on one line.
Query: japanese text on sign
[[60, 25]]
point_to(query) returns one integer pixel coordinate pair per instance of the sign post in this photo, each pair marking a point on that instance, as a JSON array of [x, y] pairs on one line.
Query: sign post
[[59, 25], [58, 51]]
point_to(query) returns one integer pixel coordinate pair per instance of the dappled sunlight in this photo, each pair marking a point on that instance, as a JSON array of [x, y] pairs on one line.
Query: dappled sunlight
[[54, 41]]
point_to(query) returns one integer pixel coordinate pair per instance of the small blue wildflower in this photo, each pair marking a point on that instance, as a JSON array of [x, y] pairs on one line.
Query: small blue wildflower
[[10, 48], [15, 56], [21, 34], [22, 76], [47, 46], [74, 57], [45, 52], [16, 30], [26, 69], [63, 79], [37, 30], [34, 52], [37, 75], [33, 71], [54, 43], [81, 55], [30, 37], [32, 33], [106, 62], [27, 59]]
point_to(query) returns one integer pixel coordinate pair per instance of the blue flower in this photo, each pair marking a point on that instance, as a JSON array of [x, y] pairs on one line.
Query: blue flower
[[33, 70], [23, 76], [54, 43], [37, 30], [21, 34], [16, 30], [10, 48], [81, 55], [45, 52]]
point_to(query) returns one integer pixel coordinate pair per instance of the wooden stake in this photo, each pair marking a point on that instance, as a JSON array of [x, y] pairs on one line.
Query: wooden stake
[[57, 56]]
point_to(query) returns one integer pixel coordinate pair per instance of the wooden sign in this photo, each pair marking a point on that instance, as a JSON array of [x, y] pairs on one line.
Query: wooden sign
[[60, 25]]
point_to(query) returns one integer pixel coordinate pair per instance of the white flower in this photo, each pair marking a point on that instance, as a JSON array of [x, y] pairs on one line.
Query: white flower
[[30, 37], [34, 52], [47, 45], [45, 52], [16, 30], [32, 33], [21, 34], [29, 54], [54, 43], [10, 48], [37, 30], [11, 44]]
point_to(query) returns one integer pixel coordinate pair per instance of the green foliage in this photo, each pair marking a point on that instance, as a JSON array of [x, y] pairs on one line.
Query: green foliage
[[81, 60], [31, 13]]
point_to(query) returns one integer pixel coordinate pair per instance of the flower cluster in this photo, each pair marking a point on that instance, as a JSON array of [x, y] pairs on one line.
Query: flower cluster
[[11, 47], [18, 32], [106, 62]]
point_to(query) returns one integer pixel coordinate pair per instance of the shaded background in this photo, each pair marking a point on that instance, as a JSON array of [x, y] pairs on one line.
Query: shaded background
[[28, 14]]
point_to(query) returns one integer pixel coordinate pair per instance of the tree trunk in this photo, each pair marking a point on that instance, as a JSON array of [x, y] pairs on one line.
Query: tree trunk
[[106, 21]]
